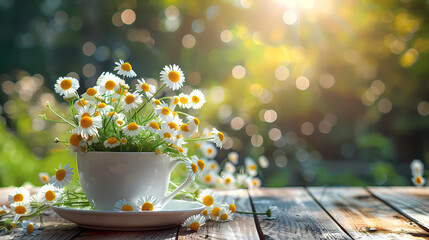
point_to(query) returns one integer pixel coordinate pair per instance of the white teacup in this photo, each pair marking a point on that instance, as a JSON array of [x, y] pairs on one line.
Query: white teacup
[[107, 177]]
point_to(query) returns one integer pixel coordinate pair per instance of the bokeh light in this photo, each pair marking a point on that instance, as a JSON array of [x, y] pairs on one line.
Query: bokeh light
[[128, 16]]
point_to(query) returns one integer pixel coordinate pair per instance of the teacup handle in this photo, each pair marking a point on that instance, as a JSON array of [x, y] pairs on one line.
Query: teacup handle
[[176, 191]]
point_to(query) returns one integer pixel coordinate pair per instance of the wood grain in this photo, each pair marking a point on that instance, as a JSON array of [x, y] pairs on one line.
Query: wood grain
[[299, 216], [365, 217], [242, 227], [412, 202], [152, 235]]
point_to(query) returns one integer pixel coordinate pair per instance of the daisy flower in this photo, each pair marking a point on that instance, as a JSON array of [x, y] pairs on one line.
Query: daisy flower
[[185, 131], [193, 124], [49, 194], [417, 167], [179, 140], [215, 211], [20, 208], [209, 150], [201, 164], [124, 69], [44, 178], [92, 93], [124, 140], [206, 213], [126, 206], [148, 89], [87, 110], [194, 222], [146, 203], [254, 182], [132, 129], [213, 165], [251, 167], [66, 86], [172, 125], [173, 77], [132, 100], [119, 119], [111, 142], [191, 168], [82, 103], [153, 127], [3, 210], [92, 139], [230, 203], [229, 167], [168, 135], [89, 126], [209, 178], [197, 99], [272, 212], [207, 197], [62, 177], [29, 228], [19, 195], [104, 108], [164, 112], [225, 215], [173, 102], [217, 137], [229, 181], [184, 101], [76, 141], [109, 84], [233, 157], [419, 181]]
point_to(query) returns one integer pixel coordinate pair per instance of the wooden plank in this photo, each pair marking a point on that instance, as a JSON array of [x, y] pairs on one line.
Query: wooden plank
[[159, 234], [364, 216], [299, 216], [412, 202], [242, 226]]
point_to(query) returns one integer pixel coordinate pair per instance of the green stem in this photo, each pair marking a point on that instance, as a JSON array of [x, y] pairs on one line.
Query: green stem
[[197, 139], [71, 124], [251, 213], [148, 100]]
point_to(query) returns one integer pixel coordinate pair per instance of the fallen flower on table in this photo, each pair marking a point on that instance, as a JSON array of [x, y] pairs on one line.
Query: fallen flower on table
[[417, 172]]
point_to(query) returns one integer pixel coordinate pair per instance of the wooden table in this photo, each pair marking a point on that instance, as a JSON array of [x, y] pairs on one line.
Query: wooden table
[[304, 213]]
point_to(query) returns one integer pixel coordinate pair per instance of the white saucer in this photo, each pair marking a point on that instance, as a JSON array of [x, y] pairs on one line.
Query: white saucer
[[174, 213]]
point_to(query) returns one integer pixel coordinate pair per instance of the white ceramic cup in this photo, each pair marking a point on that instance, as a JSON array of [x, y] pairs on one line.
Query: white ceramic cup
[[107, 177]]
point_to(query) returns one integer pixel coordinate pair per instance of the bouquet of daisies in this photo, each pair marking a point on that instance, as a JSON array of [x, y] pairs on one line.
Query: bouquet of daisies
[[112, 117]]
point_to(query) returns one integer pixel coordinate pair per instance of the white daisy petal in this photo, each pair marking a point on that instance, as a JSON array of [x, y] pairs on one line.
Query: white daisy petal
[[173, 77]]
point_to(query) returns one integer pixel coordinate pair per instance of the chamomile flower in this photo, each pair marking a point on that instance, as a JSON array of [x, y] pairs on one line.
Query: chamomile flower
[[124, 69], [164, 112], [62, 177], [168, 135], [82, 103], [206, 213], [209, 150], [263, 161], [111, 142], [200, 162], [153, 127], [19, 195], [124, 140], [229, 181], [179, 140], [194, 222], [44, 178], [192, 168], [253, 182], [66, 86], [76, 142], [132, 100], [419, 181], [217, 137], [193, 124], [172, 76], [148, 89], [146, 203], [230, 203], [207, 197], [215, 211], [173, 102], [92, 93], [242, 179], [233, 157], [251, 167], [92, 139], [225, 215], [272, 212], [29, 227], [197, 99], [209, 178], [185, 131], [417, 167], [132, 129], [229, 168], [3, 210], [20, 208], [104, 108], [89, 126], [184, 101], [49, 194], [109, 84], [86, 110], [213, 165], [119, 119], [126, 206]]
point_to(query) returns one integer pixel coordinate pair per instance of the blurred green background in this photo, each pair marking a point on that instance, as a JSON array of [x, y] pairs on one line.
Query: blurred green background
[[331, 92]]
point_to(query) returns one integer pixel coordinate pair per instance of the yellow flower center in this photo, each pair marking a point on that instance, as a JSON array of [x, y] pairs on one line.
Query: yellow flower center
[[197, 121], [127, 207], [154, 125], [126, 67], [157, 102], [91, 91], [194, 226], [201, 164], [174, 113], [232, 208], [86, 115], [30, 228], [66, 84], [111, 114], [132, 126], [2, 212], [86, 122], [184, 127], [205, 212], [81, 102], [60, 175], [179, 136], [102, 105], [208, 178], [228, 180], [183, 100], [180, 150], [13, 225], [419, 180], [114, 100], [112, 140], [213, 166], [195, 99], [109, 85], [216, 211], [224, 217], [158, 151], [165, 111], [208, 200], [123, 140], [50, 195], [147, 206], [167, 135], [221, 136], [130, 99], [173, 125], [120, 122], [20, 209], [174, 76], [145, 87], [176, 100], [198, 145], [252, 167], [18, 197], [194, 167], [44, 178], [255, 183]]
